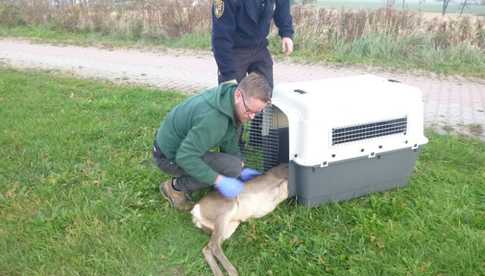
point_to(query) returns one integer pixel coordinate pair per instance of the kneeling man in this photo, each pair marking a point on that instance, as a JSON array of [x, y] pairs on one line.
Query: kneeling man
[[207, 121]]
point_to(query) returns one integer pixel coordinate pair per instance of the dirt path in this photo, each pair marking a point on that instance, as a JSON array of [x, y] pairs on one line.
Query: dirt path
[[451, 103]]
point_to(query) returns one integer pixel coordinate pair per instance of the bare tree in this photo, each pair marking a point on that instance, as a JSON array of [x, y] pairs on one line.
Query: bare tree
[[463, 5], [444, 7], [390, 4], [421, 3]]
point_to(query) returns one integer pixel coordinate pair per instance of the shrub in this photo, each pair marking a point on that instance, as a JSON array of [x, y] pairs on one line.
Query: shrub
[[10, 15]]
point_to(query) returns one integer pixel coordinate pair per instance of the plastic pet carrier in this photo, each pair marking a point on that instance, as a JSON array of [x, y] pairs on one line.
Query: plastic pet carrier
[[343, 137]]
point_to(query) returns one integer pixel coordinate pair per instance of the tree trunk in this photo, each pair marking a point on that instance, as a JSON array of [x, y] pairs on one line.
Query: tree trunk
[[465, 3], [390, 4], [445, 6]]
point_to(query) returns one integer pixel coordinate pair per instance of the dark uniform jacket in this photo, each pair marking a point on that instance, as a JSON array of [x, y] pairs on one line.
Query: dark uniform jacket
[[245, 24], [197, 125]]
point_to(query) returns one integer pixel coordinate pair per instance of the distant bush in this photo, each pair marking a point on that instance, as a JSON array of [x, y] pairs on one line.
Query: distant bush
[[176, 18], [329, 27], [135, 19], [10, 15]]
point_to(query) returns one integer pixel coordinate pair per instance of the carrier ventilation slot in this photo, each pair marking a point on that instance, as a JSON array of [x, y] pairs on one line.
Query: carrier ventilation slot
[[366, 131]]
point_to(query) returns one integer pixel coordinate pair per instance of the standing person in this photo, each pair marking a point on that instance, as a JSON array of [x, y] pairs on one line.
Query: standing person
[[209, 120], [239, 36]]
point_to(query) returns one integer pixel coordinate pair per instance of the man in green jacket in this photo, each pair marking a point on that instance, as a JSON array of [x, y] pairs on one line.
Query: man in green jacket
[[209, 120]]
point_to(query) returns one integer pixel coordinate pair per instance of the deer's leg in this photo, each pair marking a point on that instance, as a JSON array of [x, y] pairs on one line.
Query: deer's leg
[[229, 229], [223, 226], [209, 258]]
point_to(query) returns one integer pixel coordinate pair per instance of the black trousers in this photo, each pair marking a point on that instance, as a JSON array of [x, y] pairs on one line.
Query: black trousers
[[247, 61], [252, 60], [222, 163]]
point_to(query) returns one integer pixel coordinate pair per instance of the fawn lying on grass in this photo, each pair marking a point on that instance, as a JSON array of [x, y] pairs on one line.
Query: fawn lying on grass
[[220, 216]]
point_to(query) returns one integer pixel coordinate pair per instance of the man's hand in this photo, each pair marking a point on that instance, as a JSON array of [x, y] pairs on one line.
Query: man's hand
[[229, 187], [287, 45], [248, 174]]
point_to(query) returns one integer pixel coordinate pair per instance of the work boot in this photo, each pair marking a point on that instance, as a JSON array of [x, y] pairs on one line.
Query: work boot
[[177, 199]]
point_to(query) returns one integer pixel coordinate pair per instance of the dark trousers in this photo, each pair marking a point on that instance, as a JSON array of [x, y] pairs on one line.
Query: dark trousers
[[253, 60], [222, 163], [247, 61]]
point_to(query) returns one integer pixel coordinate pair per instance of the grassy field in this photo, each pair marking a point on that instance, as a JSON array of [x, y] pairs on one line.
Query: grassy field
[[429, 6], [54, 35], [79, 196]]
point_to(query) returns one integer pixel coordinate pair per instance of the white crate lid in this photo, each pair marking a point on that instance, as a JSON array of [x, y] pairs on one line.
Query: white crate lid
[[316, 109]]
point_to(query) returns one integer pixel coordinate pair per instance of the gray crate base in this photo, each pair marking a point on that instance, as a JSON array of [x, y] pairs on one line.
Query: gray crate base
[[351, 178]]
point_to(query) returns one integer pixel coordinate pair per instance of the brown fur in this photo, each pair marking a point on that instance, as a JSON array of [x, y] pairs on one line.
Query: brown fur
[[220, 216]]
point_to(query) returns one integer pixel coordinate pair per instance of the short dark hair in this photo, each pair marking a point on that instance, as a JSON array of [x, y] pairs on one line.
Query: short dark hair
[[255, 85]]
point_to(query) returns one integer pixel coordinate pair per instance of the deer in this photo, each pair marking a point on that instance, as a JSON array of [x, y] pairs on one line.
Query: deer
[[220, 217]]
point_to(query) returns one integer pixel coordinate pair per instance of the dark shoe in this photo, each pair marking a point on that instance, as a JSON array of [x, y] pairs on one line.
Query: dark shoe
[[177, 199]]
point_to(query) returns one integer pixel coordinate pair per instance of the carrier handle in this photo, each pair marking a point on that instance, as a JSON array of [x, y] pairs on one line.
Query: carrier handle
[[299, 91]]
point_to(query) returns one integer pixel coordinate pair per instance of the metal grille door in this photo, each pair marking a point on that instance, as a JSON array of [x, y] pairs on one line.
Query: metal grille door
[[263, 140]]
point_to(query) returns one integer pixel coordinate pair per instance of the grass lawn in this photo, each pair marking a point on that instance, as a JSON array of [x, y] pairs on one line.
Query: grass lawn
[[50, 34], [79, 195]]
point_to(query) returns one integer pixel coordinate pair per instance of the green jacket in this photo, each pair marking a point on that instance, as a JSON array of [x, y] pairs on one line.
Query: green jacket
[[197, 125]]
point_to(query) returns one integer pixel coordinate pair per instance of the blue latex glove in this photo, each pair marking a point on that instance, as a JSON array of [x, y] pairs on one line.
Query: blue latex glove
[[229, 187], [248, 174]]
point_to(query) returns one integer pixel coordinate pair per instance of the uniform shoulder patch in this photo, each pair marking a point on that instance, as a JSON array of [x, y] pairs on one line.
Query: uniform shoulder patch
[[218, 8]]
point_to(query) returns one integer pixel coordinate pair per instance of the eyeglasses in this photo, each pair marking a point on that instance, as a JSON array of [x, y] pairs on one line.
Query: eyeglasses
[[248, 111]]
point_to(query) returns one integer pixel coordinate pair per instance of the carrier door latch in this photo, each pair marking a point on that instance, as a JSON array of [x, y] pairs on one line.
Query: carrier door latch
[[299, 91]]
